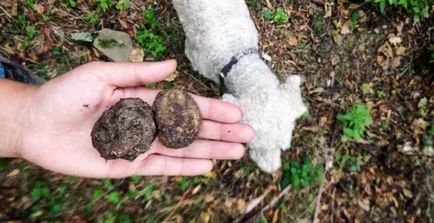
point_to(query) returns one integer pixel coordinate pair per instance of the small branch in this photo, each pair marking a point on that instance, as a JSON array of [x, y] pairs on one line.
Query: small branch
[[276, 199], [318, 205], [4, 10], [177, 205], [269, 5]]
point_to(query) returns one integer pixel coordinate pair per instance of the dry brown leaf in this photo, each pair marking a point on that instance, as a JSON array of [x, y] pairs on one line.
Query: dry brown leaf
[[396, 62], [123, 23], [292, 41], [137, 55], [400, 50], [395, 40], [40, 8]]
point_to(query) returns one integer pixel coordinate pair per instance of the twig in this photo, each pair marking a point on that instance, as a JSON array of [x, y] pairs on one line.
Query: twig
[[328, 159], [177, 205], [276, 199], [269, 5], [271, 204], [6, 12], [318, 204]]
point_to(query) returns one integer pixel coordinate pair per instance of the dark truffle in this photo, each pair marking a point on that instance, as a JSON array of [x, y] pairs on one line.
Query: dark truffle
[[124, 131], [178, 118]]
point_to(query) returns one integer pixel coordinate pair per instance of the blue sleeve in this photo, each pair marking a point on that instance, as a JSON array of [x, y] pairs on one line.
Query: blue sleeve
[[2, 71]]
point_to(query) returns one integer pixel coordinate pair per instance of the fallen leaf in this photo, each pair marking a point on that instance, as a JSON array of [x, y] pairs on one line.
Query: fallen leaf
[[292, 41], [400, 50], [40, 8], [137, 55], [83, 36], [396, 62], [395, 40]]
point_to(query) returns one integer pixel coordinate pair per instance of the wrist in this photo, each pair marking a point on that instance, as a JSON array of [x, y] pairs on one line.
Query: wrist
[[15, 100]]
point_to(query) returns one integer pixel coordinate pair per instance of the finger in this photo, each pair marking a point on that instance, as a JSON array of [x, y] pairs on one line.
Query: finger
[[239, 133], [203, 149], [218, 110], [171, 166], [128, 74], [211, 109]]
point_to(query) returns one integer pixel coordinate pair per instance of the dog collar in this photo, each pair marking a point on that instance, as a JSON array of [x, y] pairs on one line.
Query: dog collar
[[234, 60]]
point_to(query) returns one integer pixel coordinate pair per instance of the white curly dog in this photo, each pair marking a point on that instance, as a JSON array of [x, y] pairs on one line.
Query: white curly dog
[[222, 45]]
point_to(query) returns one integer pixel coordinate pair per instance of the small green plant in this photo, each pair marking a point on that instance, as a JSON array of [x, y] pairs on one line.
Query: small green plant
[[151, 20], [416, 8], [318, 23], [354, 20], [280, 16], [72, 3], [268, 15], [151, 43], [255, 3], [39, 190], [56, 51], [113, 197], [380, 94], [104, 5], [20, 20], [30, 32], [31, 4], [354, 122], [261, 219], [422, 105], [300, 174], [366, 88], [123, 5], [354, 163], [93, 19]]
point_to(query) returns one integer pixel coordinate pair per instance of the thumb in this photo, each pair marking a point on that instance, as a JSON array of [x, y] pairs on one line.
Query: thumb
[[129, 74]]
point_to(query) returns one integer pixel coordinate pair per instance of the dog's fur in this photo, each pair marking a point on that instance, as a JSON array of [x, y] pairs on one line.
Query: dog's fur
[[215, 32]]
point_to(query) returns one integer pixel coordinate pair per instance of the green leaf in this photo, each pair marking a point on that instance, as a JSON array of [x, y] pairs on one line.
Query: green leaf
[[280, 16], [268, 15], [382, 5], [104, 5], [97, 194], [31, 32], [149, 189], [123, 4], [82, 36], [184, 183], [113, 197], [39, 190], [72, 3], [136, 179]]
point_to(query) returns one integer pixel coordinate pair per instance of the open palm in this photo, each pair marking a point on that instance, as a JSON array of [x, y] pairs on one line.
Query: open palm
[[56, 133]]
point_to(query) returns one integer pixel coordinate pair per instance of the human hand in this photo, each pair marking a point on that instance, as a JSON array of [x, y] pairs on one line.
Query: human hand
[[269, 107], [61, 113]]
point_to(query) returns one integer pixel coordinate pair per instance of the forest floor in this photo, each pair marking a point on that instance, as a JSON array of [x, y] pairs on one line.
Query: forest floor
[[347, 53]]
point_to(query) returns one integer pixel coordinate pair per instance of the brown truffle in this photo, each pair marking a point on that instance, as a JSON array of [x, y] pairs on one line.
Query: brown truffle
[[178, 118], [124, 131]]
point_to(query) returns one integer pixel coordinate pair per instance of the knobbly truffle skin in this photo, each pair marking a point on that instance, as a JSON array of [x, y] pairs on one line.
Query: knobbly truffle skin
[[125, 131], [178, 118]]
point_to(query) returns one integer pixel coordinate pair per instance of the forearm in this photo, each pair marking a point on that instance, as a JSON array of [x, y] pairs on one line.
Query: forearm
[[14, 104]]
